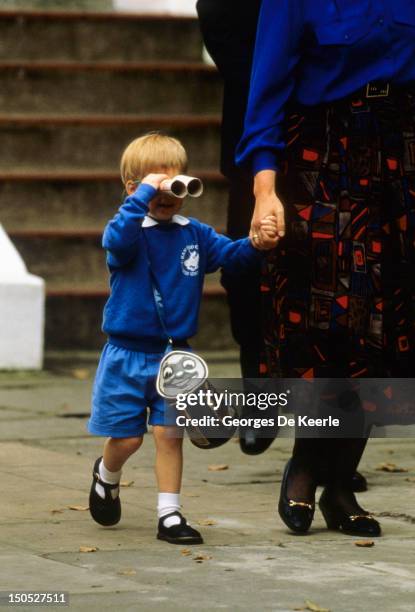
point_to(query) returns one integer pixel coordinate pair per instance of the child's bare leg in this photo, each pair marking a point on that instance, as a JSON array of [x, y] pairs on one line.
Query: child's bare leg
[[118, 450], [104, 501], [116, 453], [169, 459], [169, 466]]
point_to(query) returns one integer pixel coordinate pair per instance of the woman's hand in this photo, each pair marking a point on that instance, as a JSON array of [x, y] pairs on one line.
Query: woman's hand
[[269, 234], [267, 204]]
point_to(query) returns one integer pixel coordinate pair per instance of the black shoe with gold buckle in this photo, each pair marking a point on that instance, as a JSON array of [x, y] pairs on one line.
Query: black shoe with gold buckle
[[362, 524], [297, 515]]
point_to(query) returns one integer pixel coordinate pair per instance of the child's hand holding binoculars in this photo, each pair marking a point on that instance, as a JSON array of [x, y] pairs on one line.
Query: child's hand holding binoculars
[[155, 180]]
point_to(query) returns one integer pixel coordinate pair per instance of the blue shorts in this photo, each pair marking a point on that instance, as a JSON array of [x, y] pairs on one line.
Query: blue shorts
[[124, 388]]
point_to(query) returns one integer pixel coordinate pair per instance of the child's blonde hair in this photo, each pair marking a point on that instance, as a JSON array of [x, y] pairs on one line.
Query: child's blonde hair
[[152, 152]]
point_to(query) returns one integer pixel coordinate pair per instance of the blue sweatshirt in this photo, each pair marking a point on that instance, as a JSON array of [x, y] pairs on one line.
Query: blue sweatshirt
[[181, 253], [317, 51]]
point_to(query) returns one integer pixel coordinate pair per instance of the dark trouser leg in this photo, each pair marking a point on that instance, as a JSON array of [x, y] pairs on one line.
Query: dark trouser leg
[[245, 318], [245, 304], [244, 291]]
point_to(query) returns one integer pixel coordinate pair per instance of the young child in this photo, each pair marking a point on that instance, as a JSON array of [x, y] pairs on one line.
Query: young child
[[148, 228]]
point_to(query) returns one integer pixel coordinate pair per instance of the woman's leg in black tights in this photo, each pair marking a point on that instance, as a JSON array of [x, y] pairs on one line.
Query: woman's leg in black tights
[[330, 460], [333, 461], [343, 458], [305, 470]]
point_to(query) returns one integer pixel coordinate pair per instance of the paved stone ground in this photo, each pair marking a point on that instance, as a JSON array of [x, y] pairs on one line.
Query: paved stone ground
[[249, 561]]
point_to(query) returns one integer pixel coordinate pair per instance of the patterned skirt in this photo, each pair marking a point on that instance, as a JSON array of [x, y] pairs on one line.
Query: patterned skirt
[[339, 290]]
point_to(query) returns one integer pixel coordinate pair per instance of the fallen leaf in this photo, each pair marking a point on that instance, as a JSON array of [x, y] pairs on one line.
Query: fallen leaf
[[80, 373], [390, 467], [221, 467], [200, 557], [127, 572], [79, 508], [186, 552], [87, 549], [364, 543], [410, 479], [126, 483], [269, 558], [315, 607], [57, 511], [206, 522]]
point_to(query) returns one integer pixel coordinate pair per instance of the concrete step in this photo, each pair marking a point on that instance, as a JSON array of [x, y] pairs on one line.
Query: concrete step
[[108, 87], [91, 36], [75, 145], [87, 200], [72, 259], [74, 322], [29, 6], [63, 125]]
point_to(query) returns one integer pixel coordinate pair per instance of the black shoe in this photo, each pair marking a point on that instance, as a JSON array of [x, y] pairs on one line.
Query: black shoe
[[362, 524], [105, 511], [298, 516], [251, 444], [178, 534], [253, 441], [359, 483]]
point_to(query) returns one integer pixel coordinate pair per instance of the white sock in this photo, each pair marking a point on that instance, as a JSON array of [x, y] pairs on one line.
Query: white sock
[[110, 478], [168, 503]]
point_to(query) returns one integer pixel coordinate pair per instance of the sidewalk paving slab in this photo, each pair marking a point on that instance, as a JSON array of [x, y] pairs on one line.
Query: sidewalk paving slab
[[250, 561]]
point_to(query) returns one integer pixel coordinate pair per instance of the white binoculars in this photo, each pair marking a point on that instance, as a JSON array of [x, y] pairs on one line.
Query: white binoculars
[[182, 186]]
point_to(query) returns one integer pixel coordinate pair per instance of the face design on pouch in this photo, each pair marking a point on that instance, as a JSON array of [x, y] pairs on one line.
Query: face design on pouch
[[179, 371]]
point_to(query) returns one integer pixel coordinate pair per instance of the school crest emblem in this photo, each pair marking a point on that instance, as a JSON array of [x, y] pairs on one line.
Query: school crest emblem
[[190, 260]]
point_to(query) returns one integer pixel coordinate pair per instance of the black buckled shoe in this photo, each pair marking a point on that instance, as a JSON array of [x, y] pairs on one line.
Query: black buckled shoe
[[362, 524], [181, 533], [298, 516], [253, 441], [251, 444], [105, 511]]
